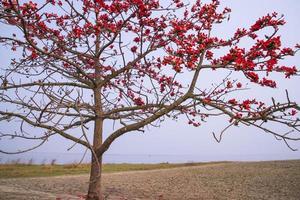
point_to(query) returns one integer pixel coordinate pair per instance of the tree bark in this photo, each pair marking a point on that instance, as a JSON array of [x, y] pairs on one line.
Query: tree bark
[[94, 192]]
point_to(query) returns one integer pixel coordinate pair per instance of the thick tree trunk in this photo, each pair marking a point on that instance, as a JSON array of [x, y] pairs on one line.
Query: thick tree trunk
[[94, 192]]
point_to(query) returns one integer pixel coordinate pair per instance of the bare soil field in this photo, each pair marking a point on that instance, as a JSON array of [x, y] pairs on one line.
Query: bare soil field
[[235, 180]]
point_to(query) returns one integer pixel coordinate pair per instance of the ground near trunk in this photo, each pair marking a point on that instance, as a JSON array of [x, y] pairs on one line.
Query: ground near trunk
[[237, 180]]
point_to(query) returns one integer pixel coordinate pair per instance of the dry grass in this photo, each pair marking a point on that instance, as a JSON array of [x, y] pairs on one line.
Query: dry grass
[[30, 170]]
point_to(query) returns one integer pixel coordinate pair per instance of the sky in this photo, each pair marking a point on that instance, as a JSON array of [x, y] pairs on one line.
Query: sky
[[176, 138]]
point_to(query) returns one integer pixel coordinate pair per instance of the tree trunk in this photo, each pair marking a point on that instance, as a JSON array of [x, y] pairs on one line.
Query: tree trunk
[[94, 192]]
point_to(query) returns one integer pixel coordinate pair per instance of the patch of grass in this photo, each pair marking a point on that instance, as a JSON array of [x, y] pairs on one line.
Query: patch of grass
[[30, 170], [25, 170]]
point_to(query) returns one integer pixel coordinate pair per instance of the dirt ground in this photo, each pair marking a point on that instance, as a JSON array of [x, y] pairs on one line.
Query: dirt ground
[[237, 180]]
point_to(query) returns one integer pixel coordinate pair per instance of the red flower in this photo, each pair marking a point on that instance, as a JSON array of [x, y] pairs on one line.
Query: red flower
[[270, 64], [206, 100], [253, 76], [33, 55], [233, 101], [147, 31], [288, 70], [246, 104], [293, 112], [229, 84], [287, 51], [209, 55], [77, 32], [267, 82], [139, 101], [133, 49]]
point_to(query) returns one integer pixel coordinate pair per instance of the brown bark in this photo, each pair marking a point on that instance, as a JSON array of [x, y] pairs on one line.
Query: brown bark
[[94, 192]]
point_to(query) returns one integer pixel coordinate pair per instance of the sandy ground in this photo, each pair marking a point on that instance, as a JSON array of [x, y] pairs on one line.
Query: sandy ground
[[255, 180]]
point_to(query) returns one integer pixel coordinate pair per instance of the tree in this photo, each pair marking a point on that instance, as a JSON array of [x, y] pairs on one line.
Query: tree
[[78, 64]]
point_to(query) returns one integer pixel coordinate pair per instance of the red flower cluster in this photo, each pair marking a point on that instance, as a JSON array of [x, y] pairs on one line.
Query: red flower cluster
[[289, 71], [267, 82], [252, 76], [268, 20], [138, 101]]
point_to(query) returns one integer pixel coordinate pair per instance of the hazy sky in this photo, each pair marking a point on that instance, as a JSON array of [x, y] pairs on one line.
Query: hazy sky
[[176, 137]]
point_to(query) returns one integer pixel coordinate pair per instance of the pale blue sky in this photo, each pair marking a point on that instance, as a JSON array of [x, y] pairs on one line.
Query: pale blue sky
[[177, 138]]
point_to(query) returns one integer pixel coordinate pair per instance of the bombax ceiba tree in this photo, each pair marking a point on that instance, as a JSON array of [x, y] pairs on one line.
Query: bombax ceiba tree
[[79, 63]]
